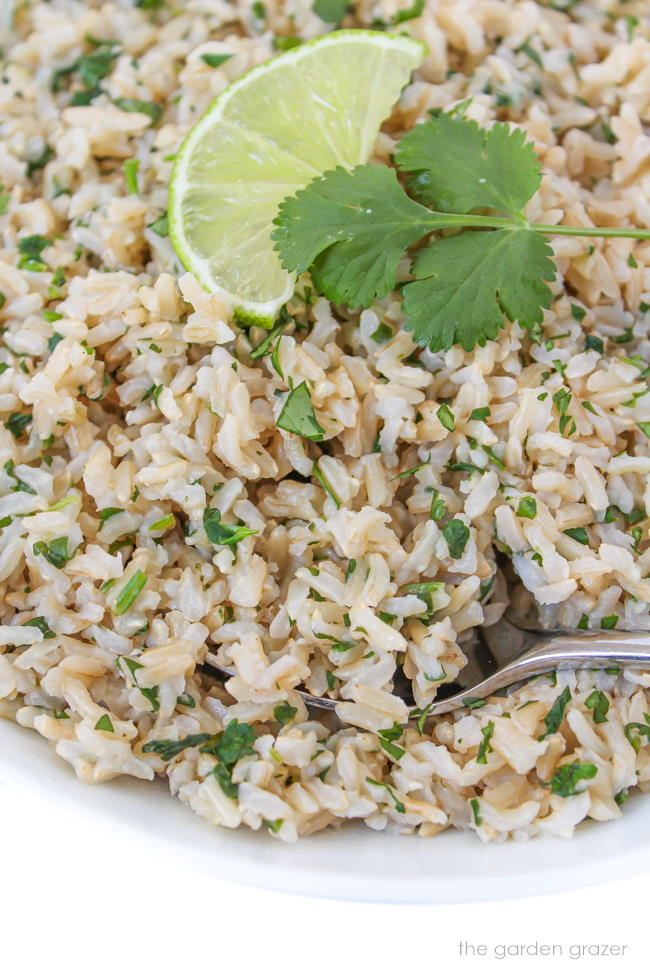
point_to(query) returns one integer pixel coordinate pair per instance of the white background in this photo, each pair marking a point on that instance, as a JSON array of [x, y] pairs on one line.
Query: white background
[[76, 899]]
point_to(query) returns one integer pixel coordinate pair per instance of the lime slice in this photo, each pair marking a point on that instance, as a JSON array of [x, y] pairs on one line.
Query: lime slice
[[271, 132]]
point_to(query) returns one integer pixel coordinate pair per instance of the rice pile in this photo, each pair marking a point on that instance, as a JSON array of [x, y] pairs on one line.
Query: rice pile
[[130, 403]]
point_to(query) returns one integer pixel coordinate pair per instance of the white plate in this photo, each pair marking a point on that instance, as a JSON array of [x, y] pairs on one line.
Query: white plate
[[353, 863]]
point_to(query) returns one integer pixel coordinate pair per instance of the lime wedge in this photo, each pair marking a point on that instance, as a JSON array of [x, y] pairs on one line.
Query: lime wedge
[[271, 132]]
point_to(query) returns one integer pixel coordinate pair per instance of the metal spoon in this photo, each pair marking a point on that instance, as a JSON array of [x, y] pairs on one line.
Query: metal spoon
[[508, 654]]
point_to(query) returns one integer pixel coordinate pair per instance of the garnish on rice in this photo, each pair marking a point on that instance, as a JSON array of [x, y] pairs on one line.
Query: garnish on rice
[[350, 229]]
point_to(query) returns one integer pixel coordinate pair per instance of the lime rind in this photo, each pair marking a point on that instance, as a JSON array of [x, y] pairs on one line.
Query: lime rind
[[266, 150]]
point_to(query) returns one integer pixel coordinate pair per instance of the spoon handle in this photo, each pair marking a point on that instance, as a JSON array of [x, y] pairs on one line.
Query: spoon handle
[[560, 651]]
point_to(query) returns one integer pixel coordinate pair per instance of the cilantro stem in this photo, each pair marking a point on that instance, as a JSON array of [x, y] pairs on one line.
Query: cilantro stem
[[642, 233], [439, 221]]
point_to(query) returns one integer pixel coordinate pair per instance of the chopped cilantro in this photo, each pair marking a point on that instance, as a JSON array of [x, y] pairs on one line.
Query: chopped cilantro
[[599, 703], [104, 724], [322, 480], [565, 779], [169, 750], [527, 507], [482, 413], [382, 333], [446, 417], [331, 11], [485, 747], [476, 811], [152, 109], [399, 806], [456, 535], [107, 513], [41, 623], [554, 717], [131, 167], [220, 534], [577, 534], [297, 415], [215, 60], [130, 592], [284, 713], [30, 249], [18, 423], [161, 225], [608, 622], [54, 552]]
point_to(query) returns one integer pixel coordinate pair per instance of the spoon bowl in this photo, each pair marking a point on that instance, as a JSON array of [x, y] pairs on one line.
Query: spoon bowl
[[507, 654]]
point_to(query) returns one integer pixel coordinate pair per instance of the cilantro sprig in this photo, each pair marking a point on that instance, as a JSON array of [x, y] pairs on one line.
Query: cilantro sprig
[[350, 230]]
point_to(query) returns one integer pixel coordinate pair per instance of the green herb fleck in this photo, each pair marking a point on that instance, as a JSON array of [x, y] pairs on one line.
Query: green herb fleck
[[131, 167], [331, 11], [30, 249], [130, 592], [527, 507], [482, 413], [446, 417], [608, 622], [577, 534], [322, 480], [215, 60], [104, 724], [41, 623], [565, 779], [553, 719], [456, 535], [220, 534], [476, 811], [485, 747], [18, 423], [599, 703], [284, 713], [297, 415], [168, 750], [54, 552], [151, 109]]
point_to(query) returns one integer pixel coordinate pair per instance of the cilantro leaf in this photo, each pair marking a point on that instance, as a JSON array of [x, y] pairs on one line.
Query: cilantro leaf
[[485, 747], [284, 713], [168, 750], [130, 592], [220, 534], [553, 719], [599, 704], [107, 513], [351, 229], [233, 743], [564, 781], [41, 623], [161, 225], [152, 109], [331, 11], [527, 507], [411, 13], [215, 60], [104, 724], [297, 414], [30, 248], [458, 166], [54, 552], [456, 535], [466, 284], [222, 775], [18, 423]]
